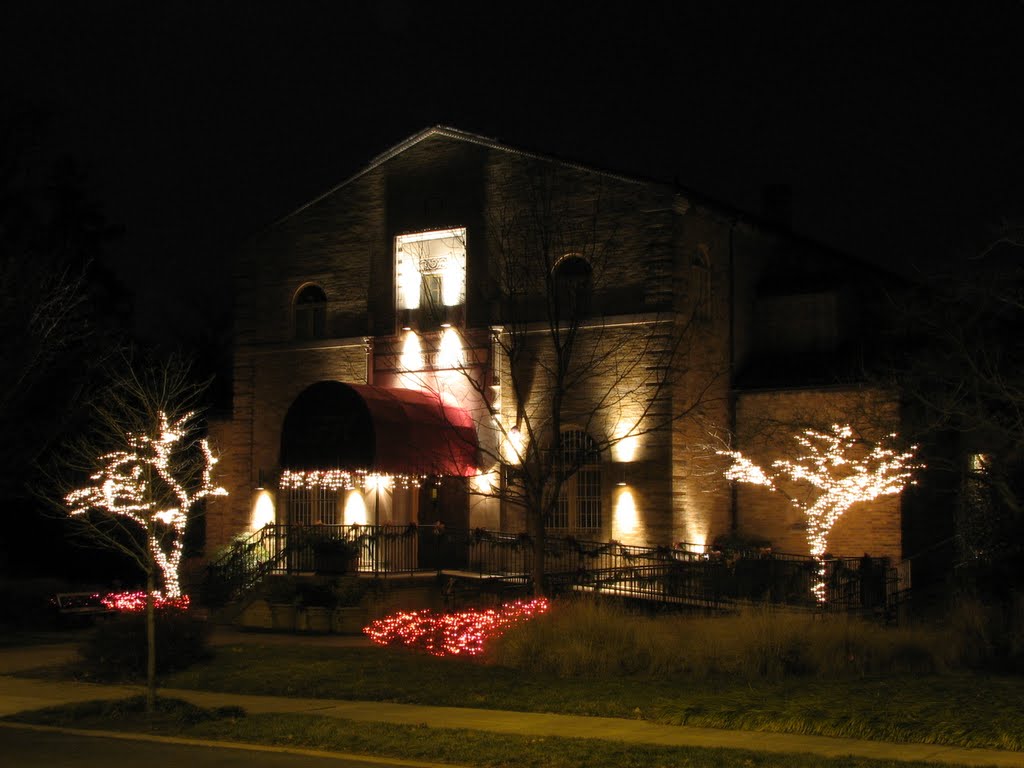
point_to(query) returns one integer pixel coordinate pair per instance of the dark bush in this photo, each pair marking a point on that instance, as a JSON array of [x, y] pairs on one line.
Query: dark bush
[[117, 648]]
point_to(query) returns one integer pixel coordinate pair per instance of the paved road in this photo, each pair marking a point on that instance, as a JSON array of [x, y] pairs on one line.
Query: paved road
[[26, 748]]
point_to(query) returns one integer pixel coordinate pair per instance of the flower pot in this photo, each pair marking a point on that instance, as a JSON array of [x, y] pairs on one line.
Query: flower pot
[[315, 618], [256, 615], [282, 616], [350, 620]]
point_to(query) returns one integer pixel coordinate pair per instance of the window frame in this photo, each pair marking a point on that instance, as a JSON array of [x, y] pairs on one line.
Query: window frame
[[580, 500], [422, 271], [309, 318]]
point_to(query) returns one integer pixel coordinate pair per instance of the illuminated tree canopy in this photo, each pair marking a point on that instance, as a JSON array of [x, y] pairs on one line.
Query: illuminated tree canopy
[[837, 472], [154, 484]]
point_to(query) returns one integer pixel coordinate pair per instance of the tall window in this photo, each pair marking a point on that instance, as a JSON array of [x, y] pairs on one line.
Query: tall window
[[311, 313], [430, 275], [700, 271], [579, 505]]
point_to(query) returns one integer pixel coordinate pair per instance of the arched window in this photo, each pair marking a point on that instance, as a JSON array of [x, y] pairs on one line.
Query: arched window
[[579, 504], [573, 283], [311, 313]]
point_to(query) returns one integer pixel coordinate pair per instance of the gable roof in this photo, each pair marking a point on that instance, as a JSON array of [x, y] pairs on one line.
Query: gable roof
[[688, 199], [458, 135]]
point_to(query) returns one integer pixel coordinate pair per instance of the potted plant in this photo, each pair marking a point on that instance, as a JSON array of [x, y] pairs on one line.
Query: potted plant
[[333, 555], [349, 616], [316, 602]]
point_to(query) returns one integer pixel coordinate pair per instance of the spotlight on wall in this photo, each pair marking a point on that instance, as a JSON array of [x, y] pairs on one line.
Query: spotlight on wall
[[259, 480]]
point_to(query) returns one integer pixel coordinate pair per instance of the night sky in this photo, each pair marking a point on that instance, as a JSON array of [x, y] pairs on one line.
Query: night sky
[[897, 124]]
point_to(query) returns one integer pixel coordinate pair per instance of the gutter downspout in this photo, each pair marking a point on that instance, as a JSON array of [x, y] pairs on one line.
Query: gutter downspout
[[368, 346]]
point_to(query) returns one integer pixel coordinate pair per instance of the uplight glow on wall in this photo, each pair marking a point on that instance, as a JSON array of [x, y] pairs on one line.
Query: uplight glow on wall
[[513, 446], [449, 353], [625, 449], [263, 511], [485, 482], [355, 509], [626, 519], [411, 358]]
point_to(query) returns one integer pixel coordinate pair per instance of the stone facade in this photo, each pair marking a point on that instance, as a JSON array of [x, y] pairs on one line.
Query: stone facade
[[684, 300]]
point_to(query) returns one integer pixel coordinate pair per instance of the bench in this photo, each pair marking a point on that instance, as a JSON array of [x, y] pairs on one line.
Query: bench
[[80, 605]]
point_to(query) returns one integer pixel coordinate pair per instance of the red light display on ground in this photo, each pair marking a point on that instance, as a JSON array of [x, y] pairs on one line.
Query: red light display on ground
[[452, 634], [131, 602]]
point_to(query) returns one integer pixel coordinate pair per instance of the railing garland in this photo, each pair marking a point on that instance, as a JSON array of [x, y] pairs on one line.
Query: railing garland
[[483, 536], [675, 572]]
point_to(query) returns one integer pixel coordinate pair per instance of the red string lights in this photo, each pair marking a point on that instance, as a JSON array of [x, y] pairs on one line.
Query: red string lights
[[133, 602], [452, 634]]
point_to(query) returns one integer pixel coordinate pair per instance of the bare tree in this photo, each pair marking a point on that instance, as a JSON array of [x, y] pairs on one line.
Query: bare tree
[[50, 237], [576, 365], [959, 363]]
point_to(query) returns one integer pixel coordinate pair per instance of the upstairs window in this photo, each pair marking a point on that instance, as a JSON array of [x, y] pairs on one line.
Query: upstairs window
[[430, 275], [311, 313], [573, 284], [700, 270]]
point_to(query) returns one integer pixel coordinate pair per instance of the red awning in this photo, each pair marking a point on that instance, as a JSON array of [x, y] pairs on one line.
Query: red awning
[[332, 425]]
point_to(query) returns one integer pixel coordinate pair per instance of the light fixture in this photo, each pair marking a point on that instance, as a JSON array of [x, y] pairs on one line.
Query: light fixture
[[259, 480]]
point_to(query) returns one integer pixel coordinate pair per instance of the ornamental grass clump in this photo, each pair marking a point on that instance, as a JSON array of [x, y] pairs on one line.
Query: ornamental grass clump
[[593, 638]]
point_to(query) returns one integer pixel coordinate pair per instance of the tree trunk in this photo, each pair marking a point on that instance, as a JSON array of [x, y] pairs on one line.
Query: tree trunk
[[537, 570], [150, 644]]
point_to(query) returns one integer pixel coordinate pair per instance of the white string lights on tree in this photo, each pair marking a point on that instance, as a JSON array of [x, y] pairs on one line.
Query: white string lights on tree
[[838, 479], [138, 483]]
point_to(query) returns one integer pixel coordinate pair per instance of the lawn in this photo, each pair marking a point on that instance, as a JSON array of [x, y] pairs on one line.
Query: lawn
[[763, 670], [956, 709], [459, 747]]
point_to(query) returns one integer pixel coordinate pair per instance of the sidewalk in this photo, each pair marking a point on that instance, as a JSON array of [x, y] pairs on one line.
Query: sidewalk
[[18, 694]]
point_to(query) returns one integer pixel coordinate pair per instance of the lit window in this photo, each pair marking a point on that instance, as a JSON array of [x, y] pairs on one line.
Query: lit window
[[579, 504], [430, 274], [311, 313], [312, 506]]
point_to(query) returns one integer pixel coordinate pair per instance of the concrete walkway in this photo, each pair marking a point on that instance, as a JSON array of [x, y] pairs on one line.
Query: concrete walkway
[[19, 694]]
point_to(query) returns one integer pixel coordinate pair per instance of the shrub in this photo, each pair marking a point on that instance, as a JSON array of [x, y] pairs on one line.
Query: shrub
[[989, 636], [117, 648]]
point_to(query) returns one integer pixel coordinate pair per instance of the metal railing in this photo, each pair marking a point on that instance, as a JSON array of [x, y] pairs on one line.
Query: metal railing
[[669, 575]]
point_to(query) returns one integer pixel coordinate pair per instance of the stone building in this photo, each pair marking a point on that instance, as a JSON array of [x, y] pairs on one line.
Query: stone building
[[413, 344]]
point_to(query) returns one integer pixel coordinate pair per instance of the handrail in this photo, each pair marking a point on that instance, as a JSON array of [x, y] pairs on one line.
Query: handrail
[[683, 573]]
